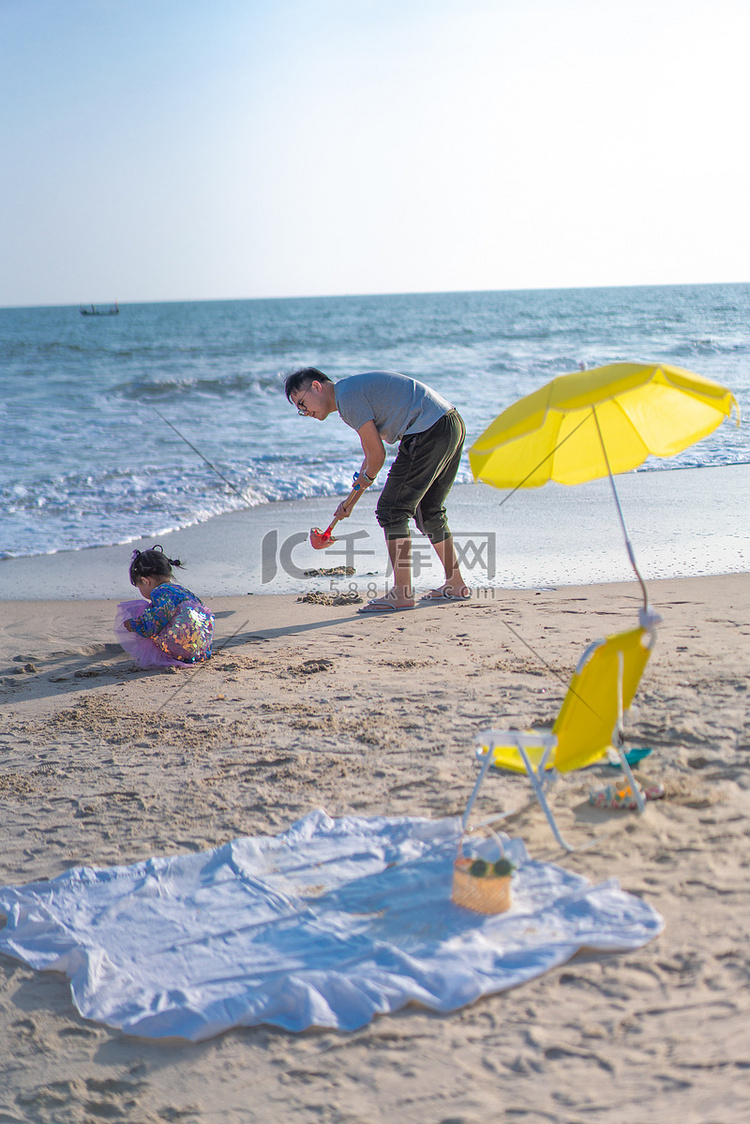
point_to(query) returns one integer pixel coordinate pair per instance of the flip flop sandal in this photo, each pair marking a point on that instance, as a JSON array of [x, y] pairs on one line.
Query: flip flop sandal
[[375, 607], [445, 597]]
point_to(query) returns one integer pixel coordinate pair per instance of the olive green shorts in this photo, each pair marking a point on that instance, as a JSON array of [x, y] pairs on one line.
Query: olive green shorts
[[421, 478]]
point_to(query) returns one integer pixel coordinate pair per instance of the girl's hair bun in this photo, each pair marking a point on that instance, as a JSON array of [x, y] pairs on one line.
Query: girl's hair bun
[[151, 563]]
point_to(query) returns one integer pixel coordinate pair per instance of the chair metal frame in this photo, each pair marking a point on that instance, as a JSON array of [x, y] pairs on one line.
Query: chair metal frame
[[537, 750]]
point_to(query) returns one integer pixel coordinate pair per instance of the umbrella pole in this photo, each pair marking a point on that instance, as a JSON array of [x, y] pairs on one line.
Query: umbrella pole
[[628, 544]]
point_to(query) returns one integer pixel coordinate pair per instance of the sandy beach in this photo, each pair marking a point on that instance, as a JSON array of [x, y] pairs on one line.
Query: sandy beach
[[307, 705], [256, 255]]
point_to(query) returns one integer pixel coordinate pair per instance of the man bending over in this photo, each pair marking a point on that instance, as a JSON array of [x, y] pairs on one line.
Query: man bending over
[[384, 406]]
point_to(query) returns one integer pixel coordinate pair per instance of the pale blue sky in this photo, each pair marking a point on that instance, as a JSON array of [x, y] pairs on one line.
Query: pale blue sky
[[211, 149]]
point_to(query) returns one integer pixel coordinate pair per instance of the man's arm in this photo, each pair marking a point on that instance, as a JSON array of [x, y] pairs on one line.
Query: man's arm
[[374, 450]]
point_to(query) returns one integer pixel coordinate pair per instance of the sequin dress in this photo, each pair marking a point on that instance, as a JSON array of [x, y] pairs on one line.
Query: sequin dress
[[173, 629]]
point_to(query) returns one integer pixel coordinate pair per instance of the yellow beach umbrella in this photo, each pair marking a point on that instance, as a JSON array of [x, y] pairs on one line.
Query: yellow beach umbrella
[[599, 422]]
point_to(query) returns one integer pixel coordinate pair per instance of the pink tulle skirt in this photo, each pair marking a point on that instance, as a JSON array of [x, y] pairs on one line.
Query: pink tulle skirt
[[142, 648]]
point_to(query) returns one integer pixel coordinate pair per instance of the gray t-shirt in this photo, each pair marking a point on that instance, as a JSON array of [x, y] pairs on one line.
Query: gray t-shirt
[[396, 403]]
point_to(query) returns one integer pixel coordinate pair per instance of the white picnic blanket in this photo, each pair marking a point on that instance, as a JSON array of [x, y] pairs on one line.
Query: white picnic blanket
[[328, 924]]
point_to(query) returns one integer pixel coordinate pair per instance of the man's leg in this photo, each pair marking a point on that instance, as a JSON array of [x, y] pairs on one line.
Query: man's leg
[[433, 519], [454, 584], [399, 553], [401, 593], [424, 469], [396, 506]]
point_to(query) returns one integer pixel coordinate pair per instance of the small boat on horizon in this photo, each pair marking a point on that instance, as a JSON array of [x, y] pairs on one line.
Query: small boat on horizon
[[92, 310]]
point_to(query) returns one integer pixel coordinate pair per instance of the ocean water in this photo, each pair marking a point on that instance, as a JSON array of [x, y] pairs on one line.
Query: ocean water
[[168, 414]]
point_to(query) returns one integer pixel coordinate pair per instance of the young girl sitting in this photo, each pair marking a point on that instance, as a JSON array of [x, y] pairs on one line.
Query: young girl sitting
[[175, 629]]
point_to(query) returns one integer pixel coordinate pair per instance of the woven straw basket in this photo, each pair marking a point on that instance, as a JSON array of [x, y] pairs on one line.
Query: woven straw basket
[[483, 895]]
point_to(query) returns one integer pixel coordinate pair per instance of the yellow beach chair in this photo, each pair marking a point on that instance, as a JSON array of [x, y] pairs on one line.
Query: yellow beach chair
[[588, 726]]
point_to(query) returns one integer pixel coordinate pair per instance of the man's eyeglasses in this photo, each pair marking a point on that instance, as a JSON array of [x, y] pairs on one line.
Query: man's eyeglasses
[[301, 407]]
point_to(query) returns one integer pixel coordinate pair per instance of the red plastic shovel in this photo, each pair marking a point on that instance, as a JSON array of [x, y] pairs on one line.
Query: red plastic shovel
[[319, 540]]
